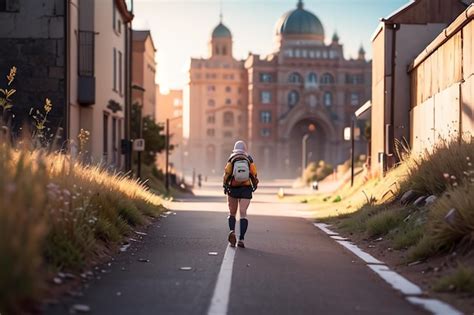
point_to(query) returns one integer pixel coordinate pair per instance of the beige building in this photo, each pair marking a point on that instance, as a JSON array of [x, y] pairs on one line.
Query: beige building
[[170, 107], [306, 86], [143, 73], [215, 105], [396, 42], [75, 53]]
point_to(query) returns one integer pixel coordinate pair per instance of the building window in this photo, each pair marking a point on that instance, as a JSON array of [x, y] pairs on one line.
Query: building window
[[211, 88], [312, 78], [9, 5], [293, 98], [211, 119], [228, 101], [120, 74], [224, 50], [115, 69], [265, 117], [177, 102], [114, 141], [105, 139], [297, 53], [211, 103], [217, 50], [227, 134], [327, 98], [265, 97], [354, 99], [228, 119], [114, 16], [265, 132], [228, 89], [210, 132], [295, 78], [265, 77], [327, 78]]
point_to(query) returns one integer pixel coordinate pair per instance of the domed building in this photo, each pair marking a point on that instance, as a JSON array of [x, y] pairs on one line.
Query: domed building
[[305, 87]]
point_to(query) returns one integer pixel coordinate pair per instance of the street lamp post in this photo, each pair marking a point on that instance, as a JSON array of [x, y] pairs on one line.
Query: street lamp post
[[303, 145]]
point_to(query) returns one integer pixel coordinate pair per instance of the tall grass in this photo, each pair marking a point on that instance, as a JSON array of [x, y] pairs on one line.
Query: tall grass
[[56, 213]]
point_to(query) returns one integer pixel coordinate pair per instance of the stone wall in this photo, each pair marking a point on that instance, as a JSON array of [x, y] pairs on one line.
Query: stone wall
[[32, 39]]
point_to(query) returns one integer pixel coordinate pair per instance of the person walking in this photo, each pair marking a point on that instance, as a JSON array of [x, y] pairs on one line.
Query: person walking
[[240, 181]]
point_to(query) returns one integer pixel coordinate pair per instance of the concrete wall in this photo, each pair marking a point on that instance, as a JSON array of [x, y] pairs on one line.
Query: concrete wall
[[442, 92]]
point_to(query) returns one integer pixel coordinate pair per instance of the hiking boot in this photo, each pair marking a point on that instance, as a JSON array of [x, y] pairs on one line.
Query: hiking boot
[[232, 239], [241, 244]]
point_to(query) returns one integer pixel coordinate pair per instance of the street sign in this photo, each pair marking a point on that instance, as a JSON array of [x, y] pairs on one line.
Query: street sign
[[347, 133], [139, 145]]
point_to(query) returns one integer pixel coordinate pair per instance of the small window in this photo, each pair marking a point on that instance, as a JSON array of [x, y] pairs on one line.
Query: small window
[[211, 119], [114, 60], [227, 134], [211, 88], [224, 50], [327, 98], [177, 102], [211, 103], [228, 119], [210, 132], [295, 78], [265, 117], [120, 68], [265, 97], [293, 98], [228, 89], [265, 77], [327, 78], [228, 101], [312, 78], [265, 132], [354, 99]]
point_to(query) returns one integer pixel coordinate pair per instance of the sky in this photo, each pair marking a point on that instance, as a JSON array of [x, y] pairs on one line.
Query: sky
[[181, 28]]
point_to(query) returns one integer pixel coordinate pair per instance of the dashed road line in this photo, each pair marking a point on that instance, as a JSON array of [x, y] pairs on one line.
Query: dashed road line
[[220, 298], [398, 282]]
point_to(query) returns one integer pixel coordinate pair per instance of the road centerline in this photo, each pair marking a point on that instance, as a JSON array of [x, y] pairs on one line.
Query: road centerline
[[220, 297]]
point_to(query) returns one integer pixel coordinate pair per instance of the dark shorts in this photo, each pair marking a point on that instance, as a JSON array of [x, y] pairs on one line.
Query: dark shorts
[[242, 192]]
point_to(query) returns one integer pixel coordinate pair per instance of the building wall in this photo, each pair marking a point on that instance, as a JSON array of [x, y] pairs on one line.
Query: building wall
[[144, 70], [442, 85], [170, 106], [32, 38]]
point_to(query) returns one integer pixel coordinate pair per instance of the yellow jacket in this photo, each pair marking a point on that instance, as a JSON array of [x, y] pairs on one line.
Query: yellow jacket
[[228, 170]]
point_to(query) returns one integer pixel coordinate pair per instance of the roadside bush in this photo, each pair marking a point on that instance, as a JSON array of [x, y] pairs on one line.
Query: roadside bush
[[461, 280], [56, 213], [317, 171]]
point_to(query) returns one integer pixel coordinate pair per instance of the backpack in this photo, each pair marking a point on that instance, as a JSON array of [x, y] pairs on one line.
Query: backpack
[[241, 170]]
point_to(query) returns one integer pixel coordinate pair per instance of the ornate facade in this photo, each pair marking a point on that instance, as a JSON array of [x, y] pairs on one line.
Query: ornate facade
[[305, 87]]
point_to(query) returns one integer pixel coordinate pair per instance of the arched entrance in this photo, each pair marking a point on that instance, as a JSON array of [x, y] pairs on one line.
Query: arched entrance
[[309, 138]]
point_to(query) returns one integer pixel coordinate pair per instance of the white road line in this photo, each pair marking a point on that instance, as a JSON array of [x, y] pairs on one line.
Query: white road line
[[325, 229], [220, 298], [396, 280], [369, 259], [434, 306]]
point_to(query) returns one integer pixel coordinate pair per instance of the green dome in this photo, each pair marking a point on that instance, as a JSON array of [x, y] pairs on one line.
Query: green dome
[[299, 22], [221, 31]]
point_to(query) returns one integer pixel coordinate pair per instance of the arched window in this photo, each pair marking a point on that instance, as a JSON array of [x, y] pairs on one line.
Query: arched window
[[217, 50], [228, 118], [327, 78], [295, 77], [224, 50], [312, 78], [293, 98], [327, 98]]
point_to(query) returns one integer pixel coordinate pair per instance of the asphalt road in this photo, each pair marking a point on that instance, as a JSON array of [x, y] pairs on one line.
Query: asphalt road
[[288, 267]]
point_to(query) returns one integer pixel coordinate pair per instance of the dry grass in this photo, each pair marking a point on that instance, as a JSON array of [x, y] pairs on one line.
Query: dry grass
[[461, 281], [57, 213]]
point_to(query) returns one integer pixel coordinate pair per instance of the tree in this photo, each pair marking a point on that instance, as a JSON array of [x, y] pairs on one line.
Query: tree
[[152, 133]]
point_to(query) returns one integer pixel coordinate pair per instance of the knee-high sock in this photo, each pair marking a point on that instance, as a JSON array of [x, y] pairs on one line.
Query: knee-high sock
[[244, 224], [231, 220]]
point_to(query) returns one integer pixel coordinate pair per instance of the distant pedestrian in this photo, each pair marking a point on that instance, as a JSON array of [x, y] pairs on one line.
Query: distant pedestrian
[[199, 180], [240, 181]]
